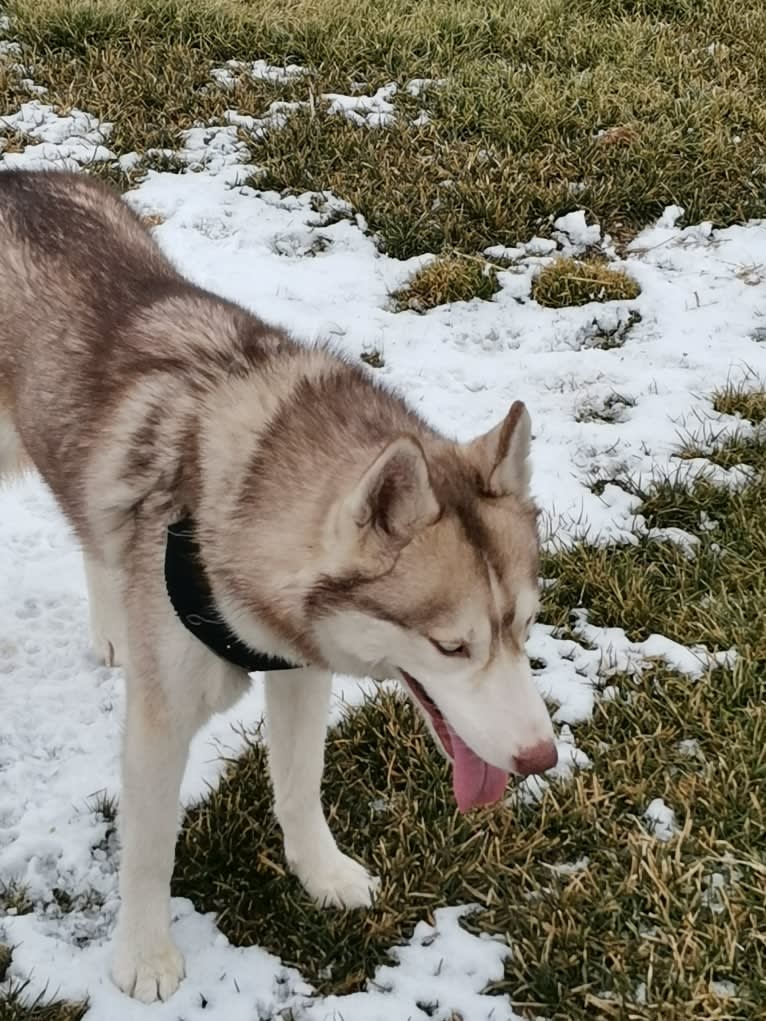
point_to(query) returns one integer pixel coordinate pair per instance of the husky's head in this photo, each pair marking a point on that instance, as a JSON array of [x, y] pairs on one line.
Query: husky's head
[[435, 582]]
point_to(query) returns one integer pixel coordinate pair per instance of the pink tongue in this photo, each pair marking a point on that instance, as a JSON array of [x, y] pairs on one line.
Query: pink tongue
[[474, 781]]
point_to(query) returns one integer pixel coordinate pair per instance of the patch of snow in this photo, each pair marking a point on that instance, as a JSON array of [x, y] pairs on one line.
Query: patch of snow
[[687, 541], [371, 111], [31, 88], [258, 70], [723, 989], [574, 234], [539, 247], [505, 254], [376, 111], [275, 118], [717, 884], [707, 523], [571, 868], [214, 149], [661, 820], [620, 655], [690, 747], [417, 86], [64, 142], [443, 965]]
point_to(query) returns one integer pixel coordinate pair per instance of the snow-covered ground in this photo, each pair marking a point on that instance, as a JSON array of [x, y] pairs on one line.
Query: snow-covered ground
[[462, 365]]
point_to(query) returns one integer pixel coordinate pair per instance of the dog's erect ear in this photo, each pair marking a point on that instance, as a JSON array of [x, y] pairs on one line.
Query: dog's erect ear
[[501, 454], [394, 495]]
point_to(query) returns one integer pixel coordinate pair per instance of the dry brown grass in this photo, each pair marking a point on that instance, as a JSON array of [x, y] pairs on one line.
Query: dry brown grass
[[579, 281], [450, 278], [618, 108]]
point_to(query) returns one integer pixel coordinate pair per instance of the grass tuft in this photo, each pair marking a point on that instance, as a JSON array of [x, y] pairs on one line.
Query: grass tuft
[[567, 281], [373, 358], [615, 408], [14, 899], [105, 806], [15, 1005], [451, 278], [743, 401], [5, 960]]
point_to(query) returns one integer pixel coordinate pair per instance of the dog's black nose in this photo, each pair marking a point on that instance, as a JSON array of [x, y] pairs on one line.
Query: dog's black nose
[[536, 759]]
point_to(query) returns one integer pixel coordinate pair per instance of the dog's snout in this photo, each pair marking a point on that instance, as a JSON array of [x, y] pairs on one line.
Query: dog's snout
[[536, 759]]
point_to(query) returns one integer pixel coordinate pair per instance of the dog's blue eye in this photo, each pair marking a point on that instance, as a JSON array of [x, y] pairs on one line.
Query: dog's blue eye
[[451, 648]]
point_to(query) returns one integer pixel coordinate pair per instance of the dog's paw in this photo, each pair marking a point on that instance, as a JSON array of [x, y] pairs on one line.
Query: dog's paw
[[339, 882], [148, 973]]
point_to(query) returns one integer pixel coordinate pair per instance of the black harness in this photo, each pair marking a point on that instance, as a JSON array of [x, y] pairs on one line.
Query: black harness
[[190, 593]]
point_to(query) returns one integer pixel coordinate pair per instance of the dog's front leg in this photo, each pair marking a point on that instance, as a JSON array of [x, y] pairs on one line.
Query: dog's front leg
[[297, 703], [107, 613], [147, 964], [173, 685]]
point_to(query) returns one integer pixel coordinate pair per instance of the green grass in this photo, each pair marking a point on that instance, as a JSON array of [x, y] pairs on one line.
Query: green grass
[[548, 106]]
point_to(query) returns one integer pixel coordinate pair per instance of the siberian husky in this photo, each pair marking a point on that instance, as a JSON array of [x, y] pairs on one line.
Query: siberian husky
[[245, 501]]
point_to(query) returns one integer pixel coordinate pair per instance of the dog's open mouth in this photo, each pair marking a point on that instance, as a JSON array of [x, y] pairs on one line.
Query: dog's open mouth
[[474, 781]]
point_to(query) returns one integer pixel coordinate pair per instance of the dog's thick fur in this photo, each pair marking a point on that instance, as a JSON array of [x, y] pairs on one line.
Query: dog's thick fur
[[337, 530]]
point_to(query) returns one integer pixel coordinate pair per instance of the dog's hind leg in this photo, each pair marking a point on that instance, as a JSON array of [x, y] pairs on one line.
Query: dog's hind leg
[[297, 703]]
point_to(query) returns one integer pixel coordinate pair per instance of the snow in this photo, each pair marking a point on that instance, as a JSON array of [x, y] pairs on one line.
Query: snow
[[690, 747], [574, 234], [723, 989], [64, 142], [418, 86], [571, 868], [376, 111], [370, 111], [661, 820], [442, 964], [293, 261], [258, 70]]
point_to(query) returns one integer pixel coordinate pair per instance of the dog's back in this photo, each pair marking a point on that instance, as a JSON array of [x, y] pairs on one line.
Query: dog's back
[[74, 261], [69, 250], [100, 332]]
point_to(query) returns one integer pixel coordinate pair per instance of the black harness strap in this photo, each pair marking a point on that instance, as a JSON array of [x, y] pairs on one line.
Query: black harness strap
[[192, 599]]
